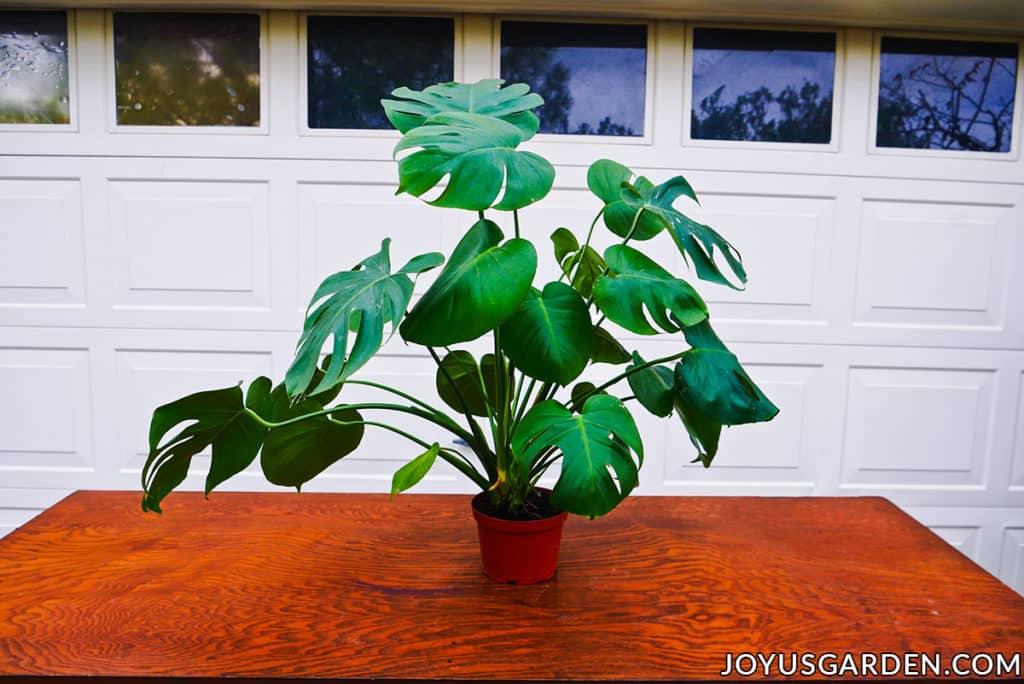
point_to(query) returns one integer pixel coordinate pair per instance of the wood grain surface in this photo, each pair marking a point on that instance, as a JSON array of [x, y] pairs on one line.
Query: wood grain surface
[[357, 587]]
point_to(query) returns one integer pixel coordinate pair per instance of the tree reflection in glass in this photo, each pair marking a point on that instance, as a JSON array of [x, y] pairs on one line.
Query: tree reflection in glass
[[946, 95], [187, 69], [767, 86], [355, 61], [592, 76], [34, 67]]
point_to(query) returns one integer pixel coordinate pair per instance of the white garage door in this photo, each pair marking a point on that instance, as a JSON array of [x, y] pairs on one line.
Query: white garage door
[[141, 259]]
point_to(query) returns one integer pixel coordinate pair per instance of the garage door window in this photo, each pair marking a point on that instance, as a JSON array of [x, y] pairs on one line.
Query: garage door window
[[34, 84], [353, 60], [946, 94], [593, 77], [762, 86], [187, 69]]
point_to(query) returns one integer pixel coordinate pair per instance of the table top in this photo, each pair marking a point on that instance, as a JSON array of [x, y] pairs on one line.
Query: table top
[[359, 587]]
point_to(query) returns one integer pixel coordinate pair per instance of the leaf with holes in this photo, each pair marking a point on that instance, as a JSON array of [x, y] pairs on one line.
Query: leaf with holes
[[362, 301], [513, 104], [219, 419], [478, 156], [594, 444], [635, 284], [482, 284]]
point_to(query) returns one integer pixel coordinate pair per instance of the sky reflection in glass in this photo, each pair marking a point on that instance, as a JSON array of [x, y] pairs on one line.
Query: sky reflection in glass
[[946, 95], [187, 69], [34, 67], [765, 86], [592, 76], [356, 61]]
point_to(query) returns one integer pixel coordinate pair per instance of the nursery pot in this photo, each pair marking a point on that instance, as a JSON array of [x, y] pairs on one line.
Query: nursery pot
[[518, 551]]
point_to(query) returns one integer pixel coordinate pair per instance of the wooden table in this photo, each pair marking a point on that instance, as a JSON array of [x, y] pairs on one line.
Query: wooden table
[[357, 587]]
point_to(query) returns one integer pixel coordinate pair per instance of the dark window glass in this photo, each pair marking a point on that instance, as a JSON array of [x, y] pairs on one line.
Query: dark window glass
[[34, 67], [592, 76], [356, 61], [946, 95], [187, 69], [766, 86]]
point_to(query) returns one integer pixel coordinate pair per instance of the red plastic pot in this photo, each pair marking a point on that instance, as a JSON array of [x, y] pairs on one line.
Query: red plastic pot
[[518, 551]]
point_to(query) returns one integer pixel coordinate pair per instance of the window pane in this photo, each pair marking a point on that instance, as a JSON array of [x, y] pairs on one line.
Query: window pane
[[592, 76], [767, 86], [946, 95], [187, 69], [34, 67], [356, 61]]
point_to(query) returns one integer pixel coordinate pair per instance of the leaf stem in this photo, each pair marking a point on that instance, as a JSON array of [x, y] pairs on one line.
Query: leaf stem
[[515, 217], [478, 434], [622, 376]]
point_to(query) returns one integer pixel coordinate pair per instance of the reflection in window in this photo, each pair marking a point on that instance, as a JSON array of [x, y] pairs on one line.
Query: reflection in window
[[592, 76], [767, 86], [34, 67], [946, 95], [355, 61], [187, 69]]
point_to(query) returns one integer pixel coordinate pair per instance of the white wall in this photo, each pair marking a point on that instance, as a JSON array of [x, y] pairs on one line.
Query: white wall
[[883, 313]]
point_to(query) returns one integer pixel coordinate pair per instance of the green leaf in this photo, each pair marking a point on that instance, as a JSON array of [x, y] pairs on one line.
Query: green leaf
[[482, 285], [608, 180], [580, 393], [361, 300], [600, 437], [415, 470], [582, 266], [478, 156], [423, 263], [461, 368], [549, 337], [295, 454], [653, 387], [216, 418], [624, 195], [635, 283], [712, 390], [606, 349], [512, 104]]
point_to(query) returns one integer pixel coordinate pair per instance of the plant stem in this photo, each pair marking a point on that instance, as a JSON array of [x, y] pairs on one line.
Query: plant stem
[[632, 229], [408, 397], [622, 376], [473, 425], [515, 217], [577, 258], [463, 466]]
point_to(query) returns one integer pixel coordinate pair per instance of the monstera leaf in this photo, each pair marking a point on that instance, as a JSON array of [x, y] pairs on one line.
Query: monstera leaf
[[362, 301], [481, 285], [549, 337], [607, 179], [598, 438], [584, 265], [636, 283], [624, 195], [653, 387], [294, 454], [459, 375], [216, 418], [478, 156], [512, 104], [711, 389]]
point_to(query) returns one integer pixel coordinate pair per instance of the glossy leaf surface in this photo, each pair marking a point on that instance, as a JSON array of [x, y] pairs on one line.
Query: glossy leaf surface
[[295, 454], [409, 475], [513, 104], [482, 284], [549, 337], [599, 438]]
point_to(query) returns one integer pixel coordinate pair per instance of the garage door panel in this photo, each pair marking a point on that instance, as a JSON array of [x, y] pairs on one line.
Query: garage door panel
[[42, 248]]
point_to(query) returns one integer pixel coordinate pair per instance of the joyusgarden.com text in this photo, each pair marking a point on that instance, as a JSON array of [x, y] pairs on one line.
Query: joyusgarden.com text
[[871, 665]]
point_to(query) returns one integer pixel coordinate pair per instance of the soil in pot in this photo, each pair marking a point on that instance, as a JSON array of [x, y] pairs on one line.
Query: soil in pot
[[522, 551]]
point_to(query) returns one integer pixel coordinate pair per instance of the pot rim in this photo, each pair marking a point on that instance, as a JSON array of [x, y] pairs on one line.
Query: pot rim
[[518, 526]]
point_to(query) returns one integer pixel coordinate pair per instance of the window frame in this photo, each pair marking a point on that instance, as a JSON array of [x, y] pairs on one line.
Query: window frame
[[648, 137], [838, 87], [111, 70], [304, 127], [876, 73], [72, 125]]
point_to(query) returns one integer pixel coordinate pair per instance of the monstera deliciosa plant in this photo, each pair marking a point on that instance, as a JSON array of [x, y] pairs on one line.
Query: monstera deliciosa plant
[[523, 407]]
